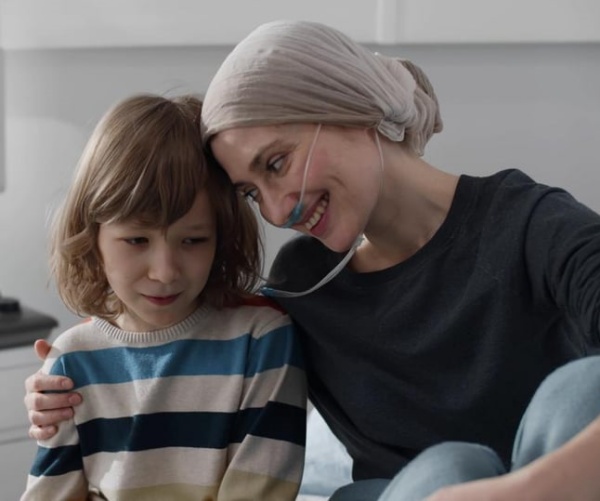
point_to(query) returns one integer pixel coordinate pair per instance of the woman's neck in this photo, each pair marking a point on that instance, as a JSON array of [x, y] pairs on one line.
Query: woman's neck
[[414, 202]]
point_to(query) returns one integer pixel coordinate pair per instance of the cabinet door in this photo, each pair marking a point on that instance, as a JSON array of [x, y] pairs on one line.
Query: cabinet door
[[15, 460], [16, 448], [2, 175]]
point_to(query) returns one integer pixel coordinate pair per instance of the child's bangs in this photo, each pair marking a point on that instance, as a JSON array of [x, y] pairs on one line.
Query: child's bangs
[[167, 182]]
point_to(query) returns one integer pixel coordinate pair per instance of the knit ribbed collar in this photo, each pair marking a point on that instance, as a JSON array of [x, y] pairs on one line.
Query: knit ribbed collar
[[171, 333]]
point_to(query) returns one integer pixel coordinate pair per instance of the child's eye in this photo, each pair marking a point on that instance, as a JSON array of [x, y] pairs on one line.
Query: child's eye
[[136, 240], [195, 240], [249, 193]]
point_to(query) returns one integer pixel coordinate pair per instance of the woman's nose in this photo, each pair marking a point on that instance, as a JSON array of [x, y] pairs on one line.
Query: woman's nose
[[276, 206], [164, 266]]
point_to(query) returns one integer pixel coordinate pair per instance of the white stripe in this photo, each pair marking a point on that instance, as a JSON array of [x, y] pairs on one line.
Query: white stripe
[[125, 470], [190, 394], [204, 467], [265, 456]]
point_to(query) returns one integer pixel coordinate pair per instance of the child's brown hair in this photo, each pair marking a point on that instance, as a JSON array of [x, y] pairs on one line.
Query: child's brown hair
[[145, 161]]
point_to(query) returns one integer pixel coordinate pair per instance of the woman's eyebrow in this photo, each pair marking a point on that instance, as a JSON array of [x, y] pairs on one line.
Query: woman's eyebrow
[[258, 161]]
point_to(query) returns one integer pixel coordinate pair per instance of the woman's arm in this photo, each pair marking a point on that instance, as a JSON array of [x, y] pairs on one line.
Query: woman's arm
[[46, 410]]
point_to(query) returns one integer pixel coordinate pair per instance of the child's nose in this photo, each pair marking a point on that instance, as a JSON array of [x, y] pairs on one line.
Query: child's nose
[[164, 266]]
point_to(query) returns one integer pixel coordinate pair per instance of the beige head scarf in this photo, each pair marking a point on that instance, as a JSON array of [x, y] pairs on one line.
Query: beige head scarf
[[298, 71]]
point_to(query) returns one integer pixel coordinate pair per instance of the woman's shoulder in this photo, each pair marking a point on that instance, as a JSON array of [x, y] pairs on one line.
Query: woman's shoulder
[[511, 206], [510, 193], [511, 180]]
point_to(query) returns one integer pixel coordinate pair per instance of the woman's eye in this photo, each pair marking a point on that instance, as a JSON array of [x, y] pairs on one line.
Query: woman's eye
[[276, 164]]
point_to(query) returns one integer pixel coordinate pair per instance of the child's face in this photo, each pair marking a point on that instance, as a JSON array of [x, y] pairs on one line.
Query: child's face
[[159, 275]]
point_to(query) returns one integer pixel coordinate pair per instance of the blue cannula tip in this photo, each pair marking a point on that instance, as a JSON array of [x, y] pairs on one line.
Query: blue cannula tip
[[294, 216]]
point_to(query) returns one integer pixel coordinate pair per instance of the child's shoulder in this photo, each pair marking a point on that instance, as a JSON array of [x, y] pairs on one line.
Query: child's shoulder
[[255, 314], [262, 301], [80, 337], [77, 337]]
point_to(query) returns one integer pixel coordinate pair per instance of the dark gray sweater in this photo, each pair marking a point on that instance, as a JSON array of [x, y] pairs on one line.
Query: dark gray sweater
[[452, 343]]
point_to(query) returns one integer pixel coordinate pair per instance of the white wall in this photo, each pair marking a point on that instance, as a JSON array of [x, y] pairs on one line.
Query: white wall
[[34, 24], [535, 107]]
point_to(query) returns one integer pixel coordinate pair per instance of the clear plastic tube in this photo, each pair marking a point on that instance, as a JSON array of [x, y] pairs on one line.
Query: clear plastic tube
[[268, 291], [296, 213]]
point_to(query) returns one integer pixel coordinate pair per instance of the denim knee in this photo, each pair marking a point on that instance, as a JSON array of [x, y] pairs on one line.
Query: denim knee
[[564, 404], [441, 465], [363, 490]]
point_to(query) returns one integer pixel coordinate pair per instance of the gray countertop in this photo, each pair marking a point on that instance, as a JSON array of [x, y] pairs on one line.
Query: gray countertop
[[23, 327]]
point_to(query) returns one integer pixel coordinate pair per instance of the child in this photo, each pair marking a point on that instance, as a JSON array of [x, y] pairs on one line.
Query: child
[[192, 388]]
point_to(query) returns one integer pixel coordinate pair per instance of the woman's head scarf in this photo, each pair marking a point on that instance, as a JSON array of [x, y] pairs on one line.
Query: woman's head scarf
[[306, 72]]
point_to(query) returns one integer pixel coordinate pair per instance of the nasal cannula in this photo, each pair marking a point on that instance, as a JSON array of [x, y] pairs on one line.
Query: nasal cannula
[[294, 218]]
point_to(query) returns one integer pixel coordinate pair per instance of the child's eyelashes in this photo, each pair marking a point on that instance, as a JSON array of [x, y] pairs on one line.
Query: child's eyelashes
[[140, 241], [249, 194], [196, 240], [135, 240]]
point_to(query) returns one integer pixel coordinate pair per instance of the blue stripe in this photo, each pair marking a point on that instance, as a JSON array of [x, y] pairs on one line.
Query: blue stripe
[[275, 349], [56, 461], [192, 429], [189, 357], [154, 431]]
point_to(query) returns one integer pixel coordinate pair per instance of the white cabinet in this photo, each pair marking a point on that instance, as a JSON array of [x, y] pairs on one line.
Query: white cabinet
[[494, 21], [16, 448], [2, 157], [32, 24]]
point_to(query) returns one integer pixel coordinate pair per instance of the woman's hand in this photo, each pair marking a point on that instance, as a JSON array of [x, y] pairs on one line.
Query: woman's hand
[[47, 410]]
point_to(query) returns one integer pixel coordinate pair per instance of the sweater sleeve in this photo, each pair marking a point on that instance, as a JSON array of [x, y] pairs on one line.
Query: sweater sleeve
[[57, 471], [563, 258], [266, 454]]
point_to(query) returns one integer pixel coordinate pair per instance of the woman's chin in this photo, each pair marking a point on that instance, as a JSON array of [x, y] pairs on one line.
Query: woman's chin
[[340, 245]]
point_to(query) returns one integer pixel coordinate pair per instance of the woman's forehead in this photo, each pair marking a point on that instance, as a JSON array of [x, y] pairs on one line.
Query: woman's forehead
[[242, 136], [246, 144]]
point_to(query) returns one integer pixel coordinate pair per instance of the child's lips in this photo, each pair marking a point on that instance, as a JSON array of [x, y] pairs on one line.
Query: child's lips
[[162, 300]]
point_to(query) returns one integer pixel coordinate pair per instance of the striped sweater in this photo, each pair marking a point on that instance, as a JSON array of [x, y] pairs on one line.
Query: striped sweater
[[211, 408]]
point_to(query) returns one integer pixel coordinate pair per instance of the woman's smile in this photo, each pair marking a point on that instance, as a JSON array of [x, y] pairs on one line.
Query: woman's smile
[[312, 224]]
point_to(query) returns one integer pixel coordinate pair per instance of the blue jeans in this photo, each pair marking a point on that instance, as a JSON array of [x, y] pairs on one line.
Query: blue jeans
[[564, 404]]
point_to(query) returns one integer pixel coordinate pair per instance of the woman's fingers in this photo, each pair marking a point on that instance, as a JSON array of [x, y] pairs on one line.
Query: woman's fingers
[[42, 432], [46, 402], [50, 417], [43, 382]]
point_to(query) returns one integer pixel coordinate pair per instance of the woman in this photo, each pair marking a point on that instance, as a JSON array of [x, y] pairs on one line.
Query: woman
[[432, 306]]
